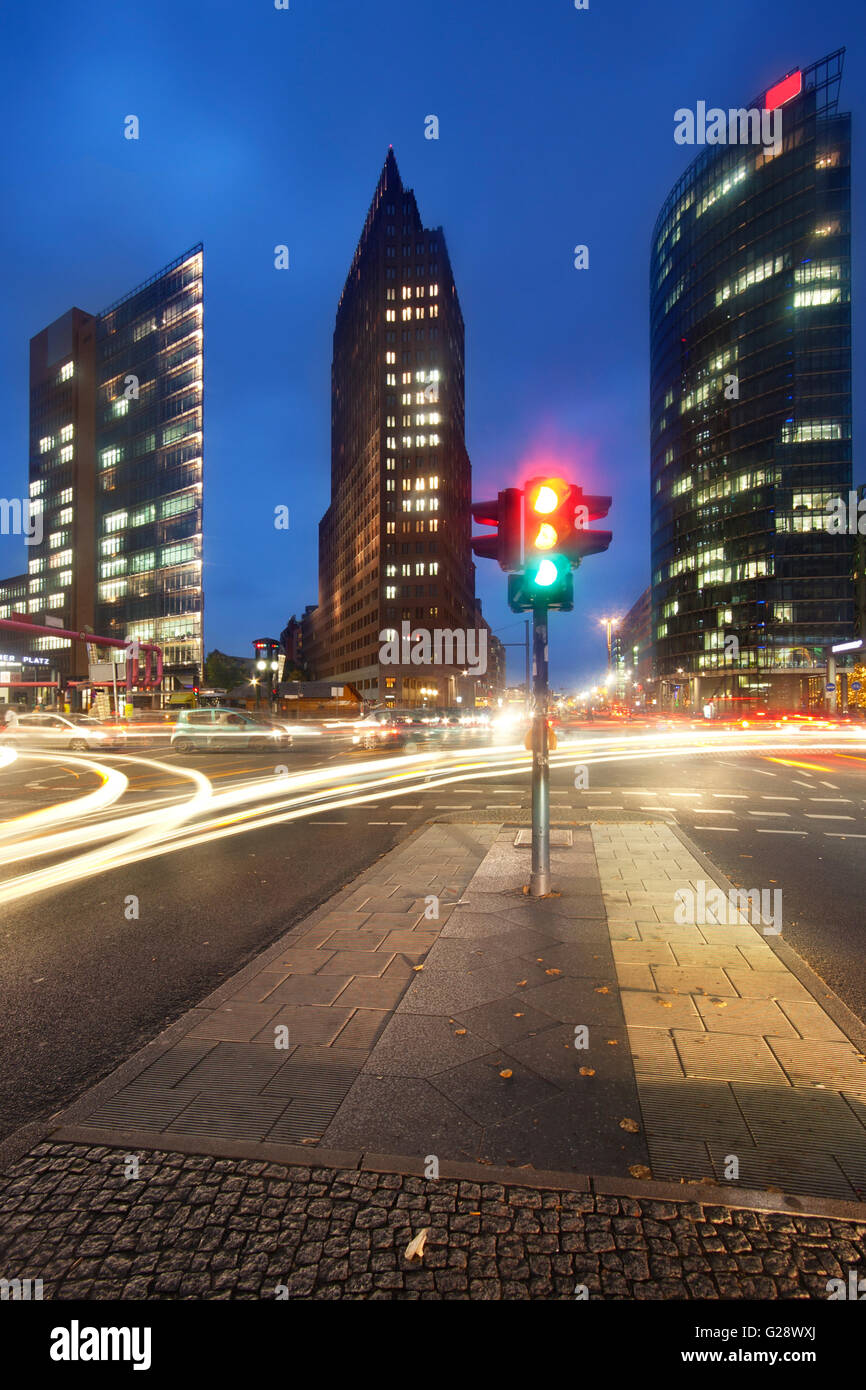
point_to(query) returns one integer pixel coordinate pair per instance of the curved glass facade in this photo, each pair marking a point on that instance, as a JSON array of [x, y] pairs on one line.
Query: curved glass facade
[[750, 344]]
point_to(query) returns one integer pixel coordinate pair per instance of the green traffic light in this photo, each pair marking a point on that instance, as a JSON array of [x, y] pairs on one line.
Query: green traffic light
[[546, 574]]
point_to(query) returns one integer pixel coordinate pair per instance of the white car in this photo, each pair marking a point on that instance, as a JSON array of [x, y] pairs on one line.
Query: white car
[[79, 733]]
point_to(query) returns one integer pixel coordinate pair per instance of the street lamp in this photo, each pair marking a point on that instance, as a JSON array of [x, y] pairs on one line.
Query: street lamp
[[609, 624]]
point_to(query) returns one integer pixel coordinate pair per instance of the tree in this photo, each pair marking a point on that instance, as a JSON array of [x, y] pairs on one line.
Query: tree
[[223, 672]]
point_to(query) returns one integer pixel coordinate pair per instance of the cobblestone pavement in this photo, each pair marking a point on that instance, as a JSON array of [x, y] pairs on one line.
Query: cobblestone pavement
[[193, 1227]]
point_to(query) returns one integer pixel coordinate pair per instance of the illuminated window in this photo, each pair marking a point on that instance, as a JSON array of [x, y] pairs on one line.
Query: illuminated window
[[808, 299], [390, 358], [65, 517], [66, 434], [175, 506], [390, 315], [66, 453], [434, 290], [121, 406], [817, 270], [807, 431], [66, 371], [115, 521]]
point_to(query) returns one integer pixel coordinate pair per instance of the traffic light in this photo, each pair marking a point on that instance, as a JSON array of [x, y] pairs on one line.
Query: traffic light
[[556, 518], [546, 579], [505, 513]]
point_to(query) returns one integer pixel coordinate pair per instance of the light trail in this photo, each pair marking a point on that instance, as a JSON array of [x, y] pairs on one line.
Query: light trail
[[156, 830], [114, 784]]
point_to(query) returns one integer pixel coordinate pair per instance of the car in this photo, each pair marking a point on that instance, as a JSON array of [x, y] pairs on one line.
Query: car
[[378, 730], [224, 729], [79, 733]]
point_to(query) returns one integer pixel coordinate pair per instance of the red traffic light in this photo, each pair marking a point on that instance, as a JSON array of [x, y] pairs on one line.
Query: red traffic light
[[506, 544], [556, 516]]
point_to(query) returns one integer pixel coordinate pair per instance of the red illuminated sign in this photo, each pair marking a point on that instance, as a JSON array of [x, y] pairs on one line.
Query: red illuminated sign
[[783, 91]]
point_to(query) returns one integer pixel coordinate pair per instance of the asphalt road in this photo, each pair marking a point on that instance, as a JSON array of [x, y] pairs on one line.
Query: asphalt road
[[82, 984]]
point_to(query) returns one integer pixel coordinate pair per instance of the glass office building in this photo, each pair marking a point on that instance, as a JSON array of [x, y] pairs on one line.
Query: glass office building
[[149, 466], [750, 344]]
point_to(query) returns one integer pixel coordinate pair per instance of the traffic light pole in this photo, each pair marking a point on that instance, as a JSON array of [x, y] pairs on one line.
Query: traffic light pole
[[539, 880]]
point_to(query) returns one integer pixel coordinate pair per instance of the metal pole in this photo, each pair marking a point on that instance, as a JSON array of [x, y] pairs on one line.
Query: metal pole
[[528, 668], [539, 881]]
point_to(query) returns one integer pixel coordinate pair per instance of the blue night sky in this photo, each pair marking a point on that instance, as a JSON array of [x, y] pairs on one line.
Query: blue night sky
[[261, 126]]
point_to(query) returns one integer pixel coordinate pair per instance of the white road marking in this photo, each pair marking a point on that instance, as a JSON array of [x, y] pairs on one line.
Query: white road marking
[[713, 811], [813, 815], [798, 783], [831, 785], [726, 829], [782, 798], [843, 835], [781, 832], [839, 799], [786, 814], [732, 796]]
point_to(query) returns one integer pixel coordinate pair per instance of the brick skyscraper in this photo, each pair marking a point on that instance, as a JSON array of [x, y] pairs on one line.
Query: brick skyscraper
[[394, 544]]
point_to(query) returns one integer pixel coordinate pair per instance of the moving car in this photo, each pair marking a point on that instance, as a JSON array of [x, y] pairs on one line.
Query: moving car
[[227, 729], [79, 733], [378, 730]]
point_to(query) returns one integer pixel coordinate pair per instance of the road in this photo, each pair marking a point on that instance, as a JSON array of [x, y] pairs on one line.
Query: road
[[121, 912]]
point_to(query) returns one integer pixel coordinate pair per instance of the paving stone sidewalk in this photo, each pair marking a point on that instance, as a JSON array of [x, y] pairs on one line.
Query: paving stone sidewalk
[[698, 1035], [734, 1057], [270, 1056], [202, 1227], [510, 1047]]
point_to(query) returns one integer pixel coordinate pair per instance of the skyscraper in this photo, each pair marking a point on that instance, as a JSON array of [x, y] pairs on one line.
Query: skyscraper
[[116, 471], [394, 544], [750, 344], [149, 465]]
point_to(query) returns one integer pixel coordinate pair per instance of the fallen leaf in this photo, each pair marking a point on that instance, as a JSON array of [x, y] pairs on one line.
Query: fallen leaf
[[415, 1248], [720, 1003], [520, 984], [631, 1125], [640, 1170], [602, 989], [613, 1042], [518, 1015], [553, 972], [587, 1071], [460, 1032], [665, 1003], [506, 1074], [417, 967]]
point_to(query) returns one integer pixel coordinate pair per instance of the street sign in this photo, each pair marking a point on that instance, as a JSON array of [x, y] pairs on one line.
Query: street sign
[[856, 685], [831, 685]]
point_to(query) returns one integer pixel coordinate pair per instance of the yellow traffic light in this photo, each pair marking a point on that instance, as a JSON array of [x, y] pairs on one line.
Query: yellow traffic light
[[547, 536], [546, 499]]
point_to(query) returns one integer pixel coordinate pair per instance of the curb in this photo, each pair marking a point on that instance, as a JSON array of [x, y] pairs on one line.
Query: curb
[[453, 1170]]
